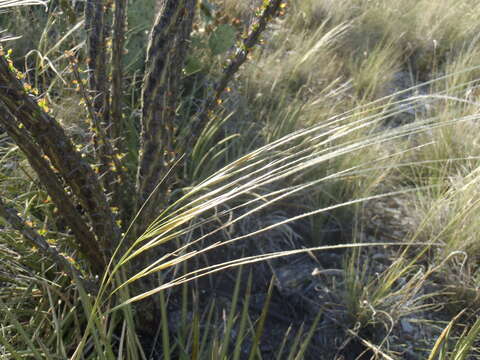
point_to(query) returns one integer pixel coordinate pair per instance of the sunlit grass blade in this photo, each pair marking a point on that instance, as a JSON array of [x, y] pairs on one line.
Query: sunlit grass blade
[[5, 4], [439, 350], [464, 344]]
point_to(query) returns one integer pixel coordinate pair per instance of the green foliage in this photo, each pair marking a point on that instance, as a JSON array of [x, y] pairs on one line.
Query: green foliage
[[214, 40], [222, 39], [140, 21]]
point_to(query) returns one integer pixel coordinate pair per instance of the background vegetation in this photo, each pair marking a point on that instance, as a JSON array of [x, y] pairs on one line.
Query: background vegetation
[[328, 208]]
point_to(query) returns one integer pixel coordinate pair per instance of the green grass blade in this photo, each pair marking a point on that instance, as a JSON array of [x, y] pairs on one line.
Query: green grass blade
[[164, 323], [22, 332], [261, 323], [466, 341], [296, 343], [229, 325], [306, 342], [441, 343], [243, 320]]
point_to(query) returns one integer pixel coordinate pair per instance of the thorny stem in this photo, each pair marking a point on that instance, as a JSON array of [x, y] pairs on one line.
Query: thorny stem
[[32, 236], [100, 137], [84, 238], [60, 150], [268, 11]]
